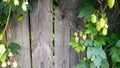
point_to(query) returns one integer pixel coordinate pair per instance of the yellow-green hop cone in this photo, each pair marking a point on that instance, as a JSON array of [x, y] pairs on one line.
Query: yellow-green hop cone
[[1, 36], [104, 31], [77, 39], [8, 62], [102, 22], [106, 26], [93, 18], [76, 34], [83, 48], [80, 33], [2, 49], [24, 6], [14, 64], [84, 37], [98, 27], [16, 2], [10, 54], [4, 64], [111, 3]]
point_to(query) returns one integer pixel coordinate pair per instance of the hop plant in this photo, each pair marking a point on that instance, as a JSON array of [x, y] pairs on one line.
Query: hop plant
[[2, 49], [14, 64], [5, 1], [1, 36], [4, 64], [24, 6], [16, 2], [10, 54], [111, 3], [93, 18]]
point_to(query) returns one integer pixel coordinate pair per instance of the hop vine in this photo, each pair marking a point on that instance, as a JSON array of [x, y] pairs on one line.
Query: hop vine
[[7, 10]]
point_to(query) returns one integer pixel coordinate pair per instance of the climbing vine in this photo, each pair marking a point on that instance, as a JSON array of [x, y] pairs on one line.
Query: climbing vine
[[8, 8], [101, 49]]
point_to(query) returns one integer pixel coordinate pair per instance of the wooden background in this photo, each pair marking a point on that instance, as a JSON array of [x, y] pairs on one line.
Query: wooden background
[[35, 32]]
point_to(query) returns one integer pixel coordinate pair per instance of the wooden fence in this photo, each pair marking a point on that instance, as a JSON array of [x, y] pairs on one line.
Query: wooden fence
[[35, 33]]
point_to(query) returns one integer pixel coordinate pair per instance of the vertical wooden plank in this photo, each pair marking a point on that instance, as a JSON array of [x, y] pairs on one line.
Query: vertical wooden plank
[[62, 37], [41, 34], [20, 34], [66, 19], [74, 59], [76, 23]]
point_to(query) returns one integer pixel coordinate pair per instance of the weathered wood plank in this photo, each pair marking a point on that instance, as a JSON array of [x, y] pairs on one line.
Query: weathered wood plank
[[41, 34], [73, 60], [62, 37], [66, 19], [20, 34]]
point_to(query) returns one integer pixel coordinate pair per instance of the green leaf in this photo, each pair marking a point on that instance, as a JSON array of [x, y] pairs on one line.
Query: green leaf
[[14, 47], [102, 40], [89, 25], [73, 44], [115, 54], [93, 65], [20, 18], [88, 31], [6, 9], [78, 49], [104, 63], [97, 61], [83, 64], [79, 65], [88, 2], [82, 42], [29, 7], [118, 43], [1, 5], [96, 43], [13, 7], [99, 51], [89, 42], [99, 42], [89, 52], [86, 11], [94, 31]]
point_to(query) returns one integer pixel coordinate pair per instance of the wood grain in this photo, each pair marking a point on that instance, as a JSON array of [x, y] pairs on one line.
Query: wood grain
[[41, 34], [20, 34]]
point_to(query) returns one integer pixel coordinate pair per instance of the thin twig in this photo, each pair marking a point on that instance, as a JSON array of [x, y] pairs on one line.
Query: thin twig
[[8, 18]]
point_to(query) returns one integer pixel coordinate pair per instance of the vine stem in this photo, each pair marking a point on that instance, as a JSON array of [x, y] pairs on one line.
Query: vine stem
[[113, 65], [8, 18]]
